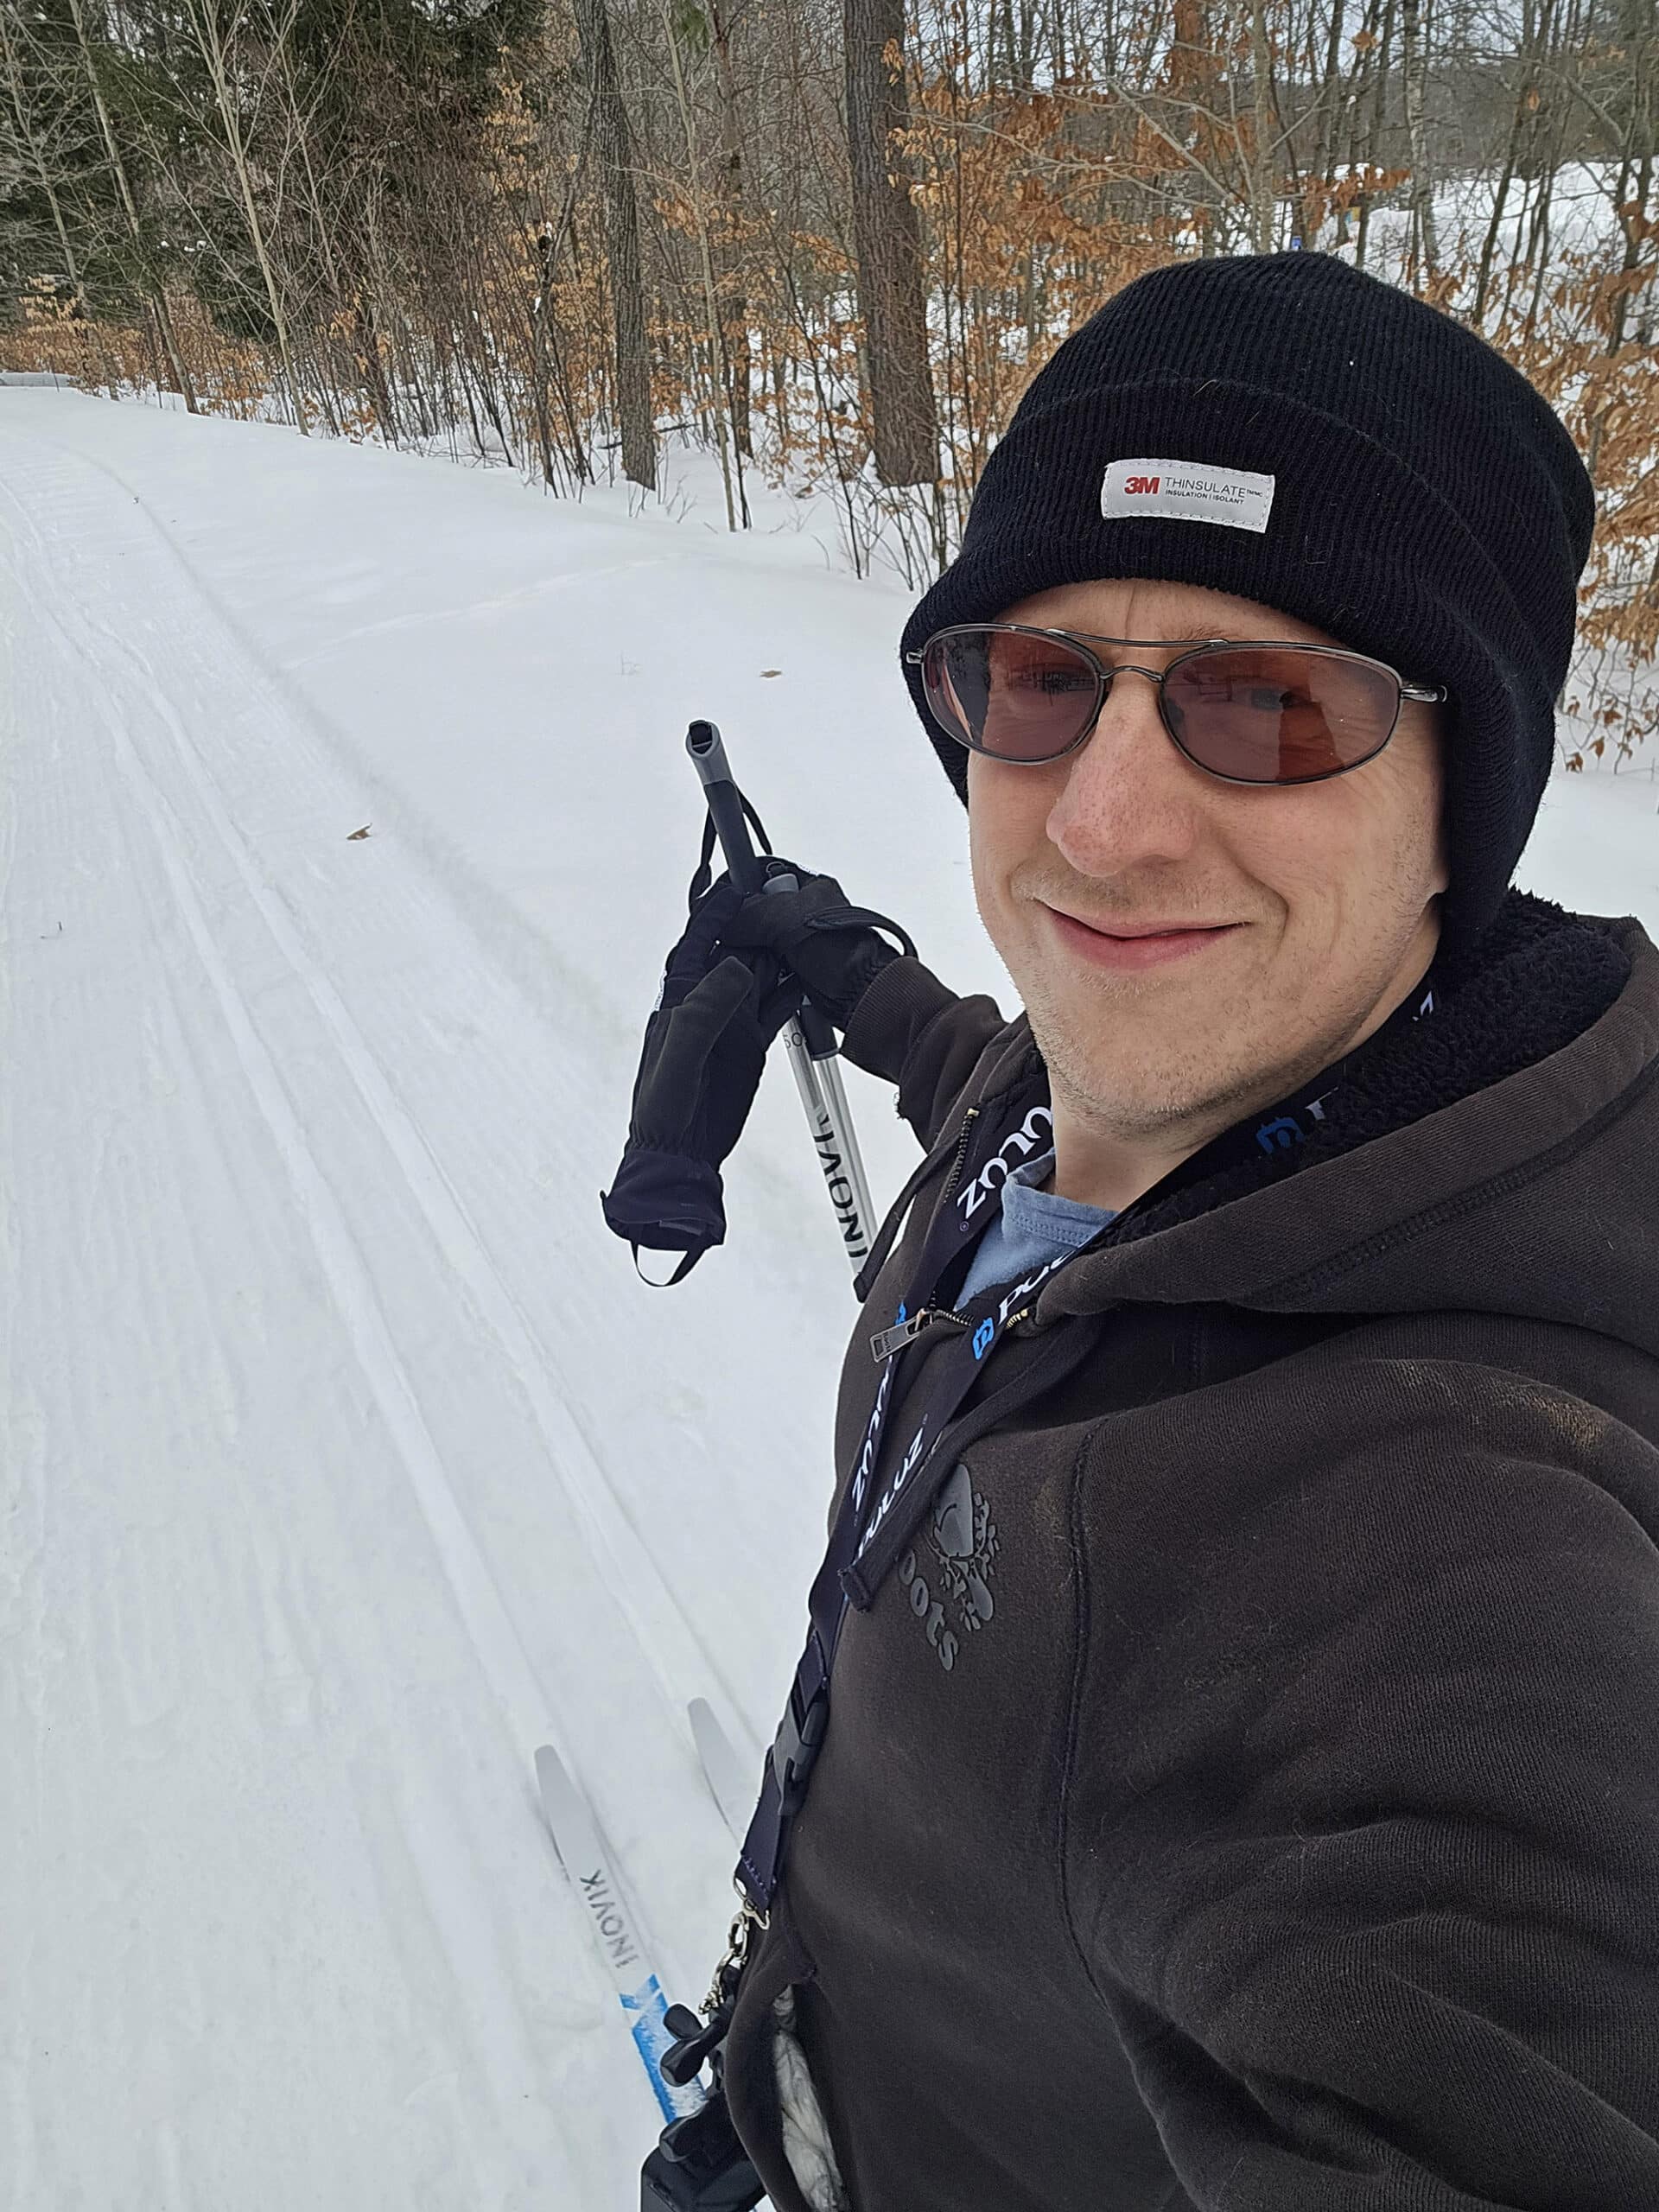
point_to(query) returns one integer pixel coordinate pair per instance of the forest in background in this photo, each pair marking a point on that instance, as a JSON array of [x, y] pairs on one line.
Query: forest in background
[[828, 240]]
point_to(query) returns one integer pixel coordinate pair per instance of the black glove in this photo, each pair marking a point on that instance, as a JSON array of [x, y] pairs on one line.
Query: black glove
[[705, 1046], [833, 947]]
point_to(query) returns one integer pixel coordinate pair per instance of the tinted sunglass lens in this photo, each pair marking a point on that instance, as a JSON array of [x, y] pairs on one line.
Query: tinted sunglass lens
[[1004, 692], [1275, 715]]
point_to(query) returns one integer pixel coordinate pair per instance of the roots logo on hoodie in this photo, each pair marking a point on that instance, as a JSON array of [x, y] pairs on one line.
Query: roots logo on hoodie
[[948, 1587]]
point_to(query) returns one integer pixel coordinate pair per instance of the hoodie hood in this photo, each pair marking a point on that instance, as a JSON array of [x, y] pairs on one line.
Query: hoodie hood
[[1530, 1093]]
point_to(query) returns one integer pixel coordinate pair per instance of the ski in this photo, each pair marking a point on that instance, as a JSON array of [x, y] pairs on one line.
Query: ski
[[591, 1875], [731, 1787]]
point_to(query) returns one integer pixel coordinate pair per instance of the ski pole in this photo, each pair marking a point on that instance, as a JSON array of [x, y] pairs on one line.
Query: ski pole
[[808, 1037]]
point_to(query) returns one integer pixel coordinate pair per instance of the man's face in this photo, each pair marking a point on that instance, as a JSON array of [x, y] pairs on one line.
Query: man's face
[[1314, 899]]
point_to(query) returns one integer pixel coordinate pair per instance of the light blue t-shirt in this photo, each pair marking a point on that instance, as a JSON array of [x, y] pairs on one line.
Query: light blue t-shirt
[[1034, 1226]]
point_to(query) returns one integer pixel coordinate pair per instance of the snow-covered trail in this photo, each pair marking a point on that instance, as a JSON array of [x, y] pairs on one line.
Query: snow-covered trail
[[307, 1546], [341, 1456]]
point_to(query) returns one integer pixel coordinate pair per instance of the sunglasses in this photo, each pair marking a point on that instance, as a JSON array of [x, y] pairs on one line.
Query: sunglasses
[[1249, 712]]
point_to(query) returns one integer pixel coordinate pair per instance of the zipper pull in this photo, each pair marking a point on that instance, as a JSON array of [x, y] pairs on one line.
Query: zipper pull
[[886, 1342]]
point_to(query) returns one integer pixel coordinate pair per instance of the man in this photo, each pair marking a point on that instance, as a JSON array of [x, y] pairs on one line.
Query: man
[[1241, 1634]]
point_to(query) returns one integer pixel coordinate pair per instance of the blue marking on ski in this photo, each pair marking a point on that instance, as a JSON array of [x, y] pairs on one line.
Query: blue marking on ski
[[587, 1867], [652, 2039]]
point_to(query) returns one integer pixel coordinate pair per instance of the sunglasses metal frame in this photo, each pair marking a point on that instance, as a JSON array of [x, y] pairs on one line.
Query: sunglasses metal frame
[[1105, 672]]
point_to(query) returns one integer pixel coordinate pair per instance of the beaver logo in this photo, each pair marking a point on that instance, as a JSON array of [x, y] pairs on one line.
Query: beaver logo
[[952, 1598]]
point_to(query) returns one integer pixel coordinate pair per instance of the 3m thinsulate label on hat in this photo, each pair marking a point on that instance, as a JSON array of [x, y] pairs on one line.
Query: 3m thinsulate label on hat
[[1186, 491]]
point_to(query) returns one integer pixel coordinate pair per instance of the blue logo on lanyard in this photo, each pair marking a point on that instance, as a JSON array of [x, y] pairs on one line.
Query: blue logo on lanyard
[[1280, 1135], [982, 1336]]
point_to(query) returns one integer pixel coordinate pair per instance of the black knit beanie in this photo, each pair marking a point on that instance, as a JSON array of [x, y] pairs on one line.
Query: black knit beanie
[[1383, 473]]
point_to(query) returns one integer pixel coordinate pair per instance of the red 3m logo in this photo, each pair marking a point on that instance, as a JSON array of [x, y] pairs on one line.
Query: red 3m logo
[[1142, 483]]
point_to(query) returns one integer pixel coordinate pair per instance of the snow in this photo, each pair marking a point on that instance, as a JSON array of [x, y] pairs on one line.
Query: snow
[[1581, 219], [345, 1460]]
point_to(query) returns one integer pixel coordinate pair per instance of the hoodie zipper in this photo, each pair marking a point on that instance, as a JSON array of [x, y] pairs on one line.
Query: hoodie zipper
[[886, 1342]]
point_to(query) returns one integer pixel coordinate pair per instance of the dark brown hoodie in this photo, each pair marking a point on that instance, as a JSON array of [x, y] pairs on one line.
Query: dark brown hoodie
[[1278, 1830]]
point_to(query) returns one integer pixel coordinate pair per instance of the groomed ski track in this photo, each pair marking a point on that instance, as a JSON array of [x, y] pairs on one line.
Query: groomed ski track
[[321, 1510]]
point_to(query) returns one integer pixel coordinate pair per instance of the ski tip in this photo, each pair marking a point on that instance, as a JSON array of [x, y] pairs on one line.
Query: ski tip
[[550, 1767], [722, 1766], [554, 1788]]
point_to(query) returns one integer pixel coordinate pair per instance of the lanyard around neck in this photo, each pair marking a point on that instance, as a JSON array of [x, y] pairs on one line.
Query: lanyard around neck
[[879, 1509], [878, 1513]]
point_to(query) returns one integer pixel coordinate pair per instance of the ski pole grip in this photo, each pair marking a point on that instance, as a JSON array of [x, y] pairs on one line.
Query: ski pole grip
[[702, 742], [707, 750]]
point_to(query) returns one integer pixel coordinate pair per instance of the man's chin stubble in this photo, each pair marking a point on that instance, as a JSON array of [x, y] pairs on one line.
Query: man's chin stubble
[[1146, 1099]]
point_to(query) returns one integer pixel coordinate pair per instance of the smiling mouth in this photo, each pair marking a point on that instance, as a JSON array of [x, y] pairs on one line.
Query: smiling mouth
[[1125, 933], [1134, 946]]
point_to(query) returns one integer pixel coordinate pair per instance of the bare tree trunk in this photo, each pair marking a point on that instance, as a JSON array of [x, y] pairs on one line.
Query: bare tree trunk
[[735, 306], [130, 208], [1640, 31], [209, 35], [887, 232], [1414, 61], [1534, 32], [374, 282], [1262, 203], [1332, 95], [355, 323], [550, 361], [636, 417], [1190, 75], [29, 142], [711, 309], [1380, 60]]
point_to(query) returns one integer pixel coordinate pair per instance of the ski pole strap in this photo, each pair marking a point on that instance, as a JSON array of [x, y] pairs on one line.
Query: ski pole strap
[[704, 876]]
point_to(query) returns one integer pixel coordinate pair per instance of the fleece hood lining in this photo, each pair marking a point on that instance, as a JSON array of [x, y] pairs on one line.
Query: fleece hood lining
[[1539, 981]]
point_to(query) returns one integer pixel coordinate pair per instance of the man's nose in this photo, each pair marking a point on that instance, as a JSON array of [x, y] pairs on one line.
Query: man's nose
[[1130, 795]]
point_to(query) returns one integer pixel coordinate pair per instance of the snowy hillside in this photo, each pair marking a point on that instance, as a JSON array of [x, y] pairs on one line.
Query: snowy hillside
[[344, 1459]]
